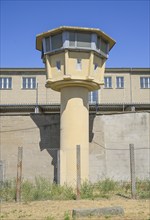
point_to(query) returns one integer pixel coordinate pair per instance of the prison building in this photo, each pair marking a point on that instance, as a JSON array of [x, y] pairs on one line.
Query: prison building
[[30, 118]]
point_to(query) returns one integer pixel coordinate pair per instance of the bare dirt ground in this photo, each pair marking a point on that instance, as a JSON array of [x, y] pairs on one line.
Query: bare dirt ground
[[58, 210]]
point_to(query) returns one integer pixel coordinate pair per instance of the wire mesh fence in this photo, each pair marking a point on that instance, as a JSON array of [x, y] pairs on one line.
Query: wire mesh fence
[[85, 172]]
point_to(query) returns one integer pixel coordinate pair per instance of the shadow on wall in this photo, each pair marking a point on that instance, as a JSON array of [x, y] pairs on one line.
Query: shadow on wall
[[49, 126], [91, 122]]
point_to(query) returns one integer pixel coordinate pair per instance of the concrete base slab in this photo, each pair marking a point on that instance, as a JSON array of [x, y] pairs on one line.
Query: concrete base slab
[[107, 211]]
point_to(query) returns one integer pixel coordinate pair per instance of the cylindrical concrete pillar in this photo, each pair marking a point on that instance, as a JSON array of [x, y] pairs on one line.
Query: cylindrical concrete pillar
[[74, 130]]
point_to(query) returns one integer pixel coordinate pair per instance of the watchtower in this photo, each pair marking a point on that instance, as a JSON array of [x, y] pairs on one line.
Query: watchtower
[[75, 62]]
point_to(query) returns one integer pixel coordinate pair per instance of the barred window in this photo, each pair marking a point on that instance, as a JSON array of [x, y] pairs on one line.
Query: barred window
[[5, 83], [108, 82], [119, 82], [145, 82], [29, 82]]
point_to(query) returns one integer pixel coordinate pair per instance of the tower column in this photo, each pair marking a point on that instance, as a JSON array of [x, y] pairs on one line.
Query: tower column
[[74, 130]]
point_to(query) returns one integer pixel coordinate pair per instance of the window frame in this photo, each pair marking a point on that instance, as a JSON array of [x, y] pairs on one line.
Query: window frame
[[99, 45], [58, 65], [119, 83], [76, 41], [52, 43], [33, 87], [105, 85], [143, 82], [93, 97], [8, 82], [79, 64]]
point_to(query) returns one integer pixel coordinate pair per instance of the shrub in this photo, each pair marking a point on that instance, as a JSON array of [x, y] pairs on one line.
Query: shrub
[[106, 186], [143, 188], [8, 190], [42, 189], [87, 190]]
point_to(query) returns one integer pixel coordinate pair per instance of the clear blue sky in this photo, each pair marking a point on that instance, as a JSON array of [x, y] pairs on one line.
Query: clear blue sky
[[128, 22]]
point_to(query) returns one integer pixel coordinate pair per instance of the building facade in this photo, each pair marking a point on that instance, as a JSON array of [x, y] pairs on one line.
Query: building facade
[[122, 85], [113, 124]]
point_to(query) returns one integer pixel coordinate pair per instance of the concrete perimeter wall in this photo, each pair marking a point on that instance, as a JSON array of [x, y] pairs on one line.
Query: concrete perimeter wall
[[110, 136], [109, 149]]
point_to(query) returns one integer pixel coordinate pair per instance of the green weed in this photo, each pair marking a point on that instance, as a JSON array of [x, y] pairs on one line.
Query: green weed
[[66, 216], [42, 189]]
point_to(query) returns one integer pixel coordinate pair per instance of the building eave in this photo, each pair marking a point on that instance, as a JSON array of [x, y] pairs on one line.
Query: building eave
[[55, 108]]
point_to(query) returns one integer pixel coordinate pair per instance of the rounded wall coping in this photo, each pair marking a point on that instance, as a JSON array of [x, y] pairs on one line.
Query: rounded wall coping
[[67, 82]]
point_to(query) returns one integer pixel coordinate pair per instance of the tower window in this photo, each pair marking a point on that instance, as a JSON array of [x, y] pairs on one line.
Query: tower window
[[78, 64], [72, 39], [47, 42], [103, 46], [98, 43], [83, 40], [58, 65], [79, 40], [56, 41], [95, 66]]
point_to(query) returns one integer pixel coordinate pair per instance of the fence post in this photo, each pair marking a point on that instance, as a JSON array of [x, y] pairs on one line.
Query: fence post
[[78, 171], [132, 170], [1, 172], [58, 166], [19, 174]]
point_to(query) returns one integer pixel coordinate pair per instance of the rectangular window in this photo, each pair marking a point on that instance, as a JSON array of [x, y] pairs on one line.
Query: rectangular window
[[47, 42], [83, 40], [103, 46], [119, 82], [95, 66], [58, 65], [98, 43], [93, 97], [145, 82], [72, 39], [6, 83], [78, 64], [108, 82], [56, 41], [29, 83]]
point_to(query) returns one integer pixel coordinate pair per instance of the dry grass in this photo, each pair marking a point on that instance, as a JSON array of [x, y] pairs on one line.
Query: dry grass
[[55, 210]]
